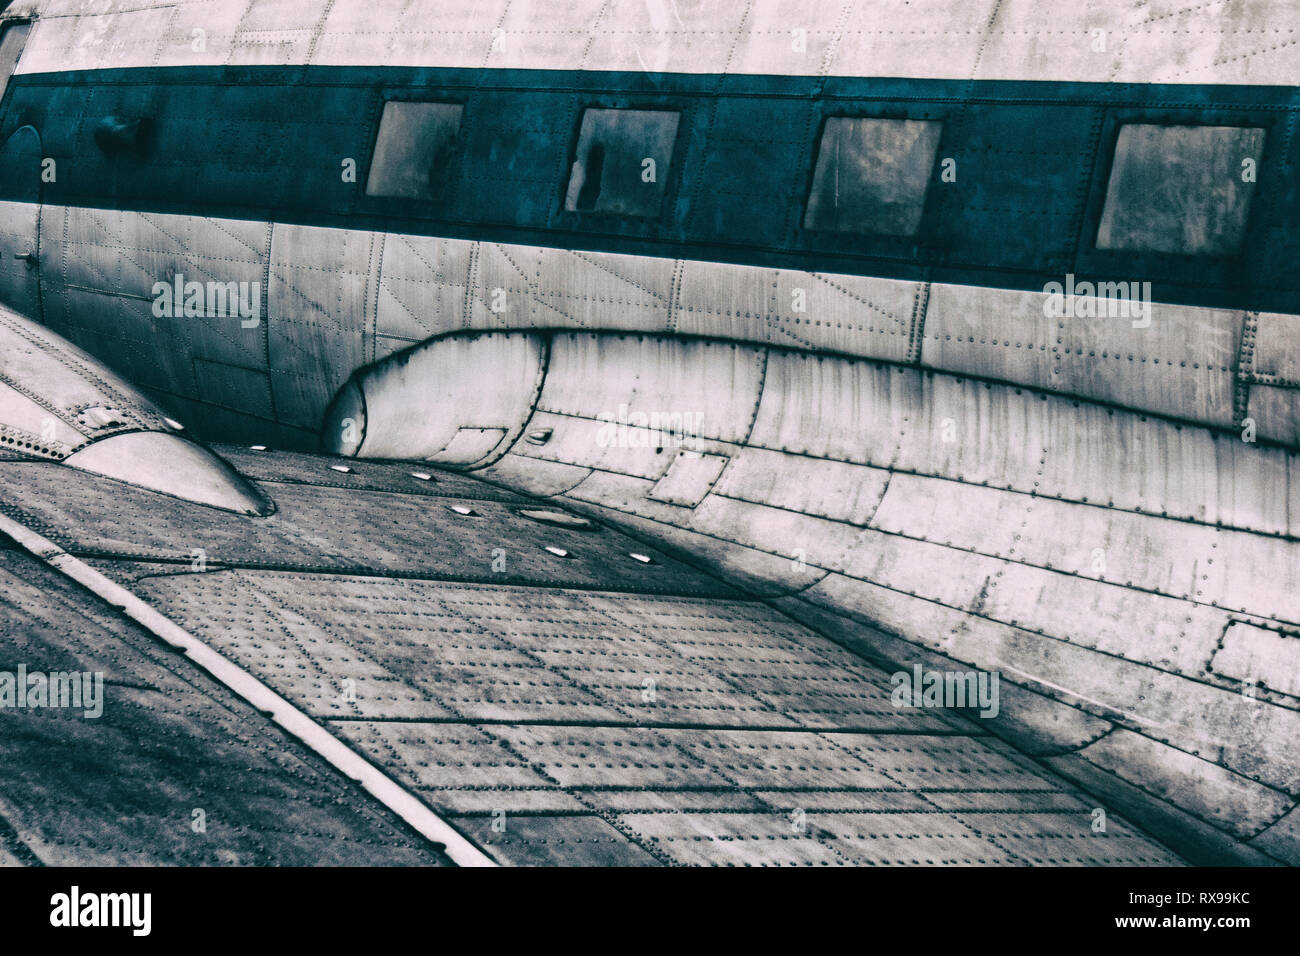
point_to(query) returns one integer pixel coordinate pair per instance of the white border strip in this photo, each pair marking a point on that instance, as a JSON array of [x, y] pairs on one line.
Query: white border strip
[[294, 721]]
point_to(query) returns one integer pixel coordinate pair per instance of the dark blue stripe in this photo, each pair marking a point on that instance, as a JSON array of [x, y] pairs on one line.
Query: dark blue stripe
[[266, 143]]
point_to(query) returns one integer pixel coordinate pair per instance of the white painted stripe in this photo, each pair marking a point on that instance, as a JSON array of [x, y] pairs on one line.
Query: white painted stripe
[[294, 721], [1119, 41]]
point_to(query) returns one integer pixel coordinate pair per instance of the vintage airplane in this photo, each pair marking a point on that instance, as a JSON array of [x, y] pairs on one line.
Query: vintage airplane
[[757, 351]]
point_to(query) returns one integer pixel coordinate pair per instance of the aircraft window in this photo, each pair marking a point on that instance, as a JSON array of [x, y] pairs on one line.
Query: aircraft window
[[12, 38], [414, 149], [621, 161], [871, 175], [1180, 189]]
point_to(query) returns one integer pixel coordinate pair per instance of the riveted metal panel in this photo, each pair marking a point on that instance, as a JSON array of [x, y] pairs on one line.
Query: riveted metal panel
[[458, 767], [406, 478], [320, 299], [1276, 413], [422, 288], [623, 500], [18, 233], [621, 441], [30, 428], [418, 402], [551, 838], [420, 536], [1065, 839], [1262, 657], [999, 333], [1226, 799], [1250, 737], [1274, 356], [574, 710], [819, 487], [834, 408], [853, 314], [55, 398], [1121, 621], [126, 265], [1254, 486], [873, 48], [1229, 569], [1012, 438], [430, 286], [592, 290], [938, 763], [789, 534], [1282, 839], [73, 41], [615, 377], [689, 478], [1173, 360], [1028, 39], [234, 386], [1022, 41], [899, 563], [459, 33], [627, 35], [1037, 724], [535, 476], [169, 739]]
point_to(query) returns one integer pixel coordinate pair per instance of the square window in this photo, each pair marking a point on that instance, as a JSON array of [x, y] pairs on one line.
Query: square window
[[414, 150], [1180, 189], [621, 162], [12, 38], [871, 175]]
